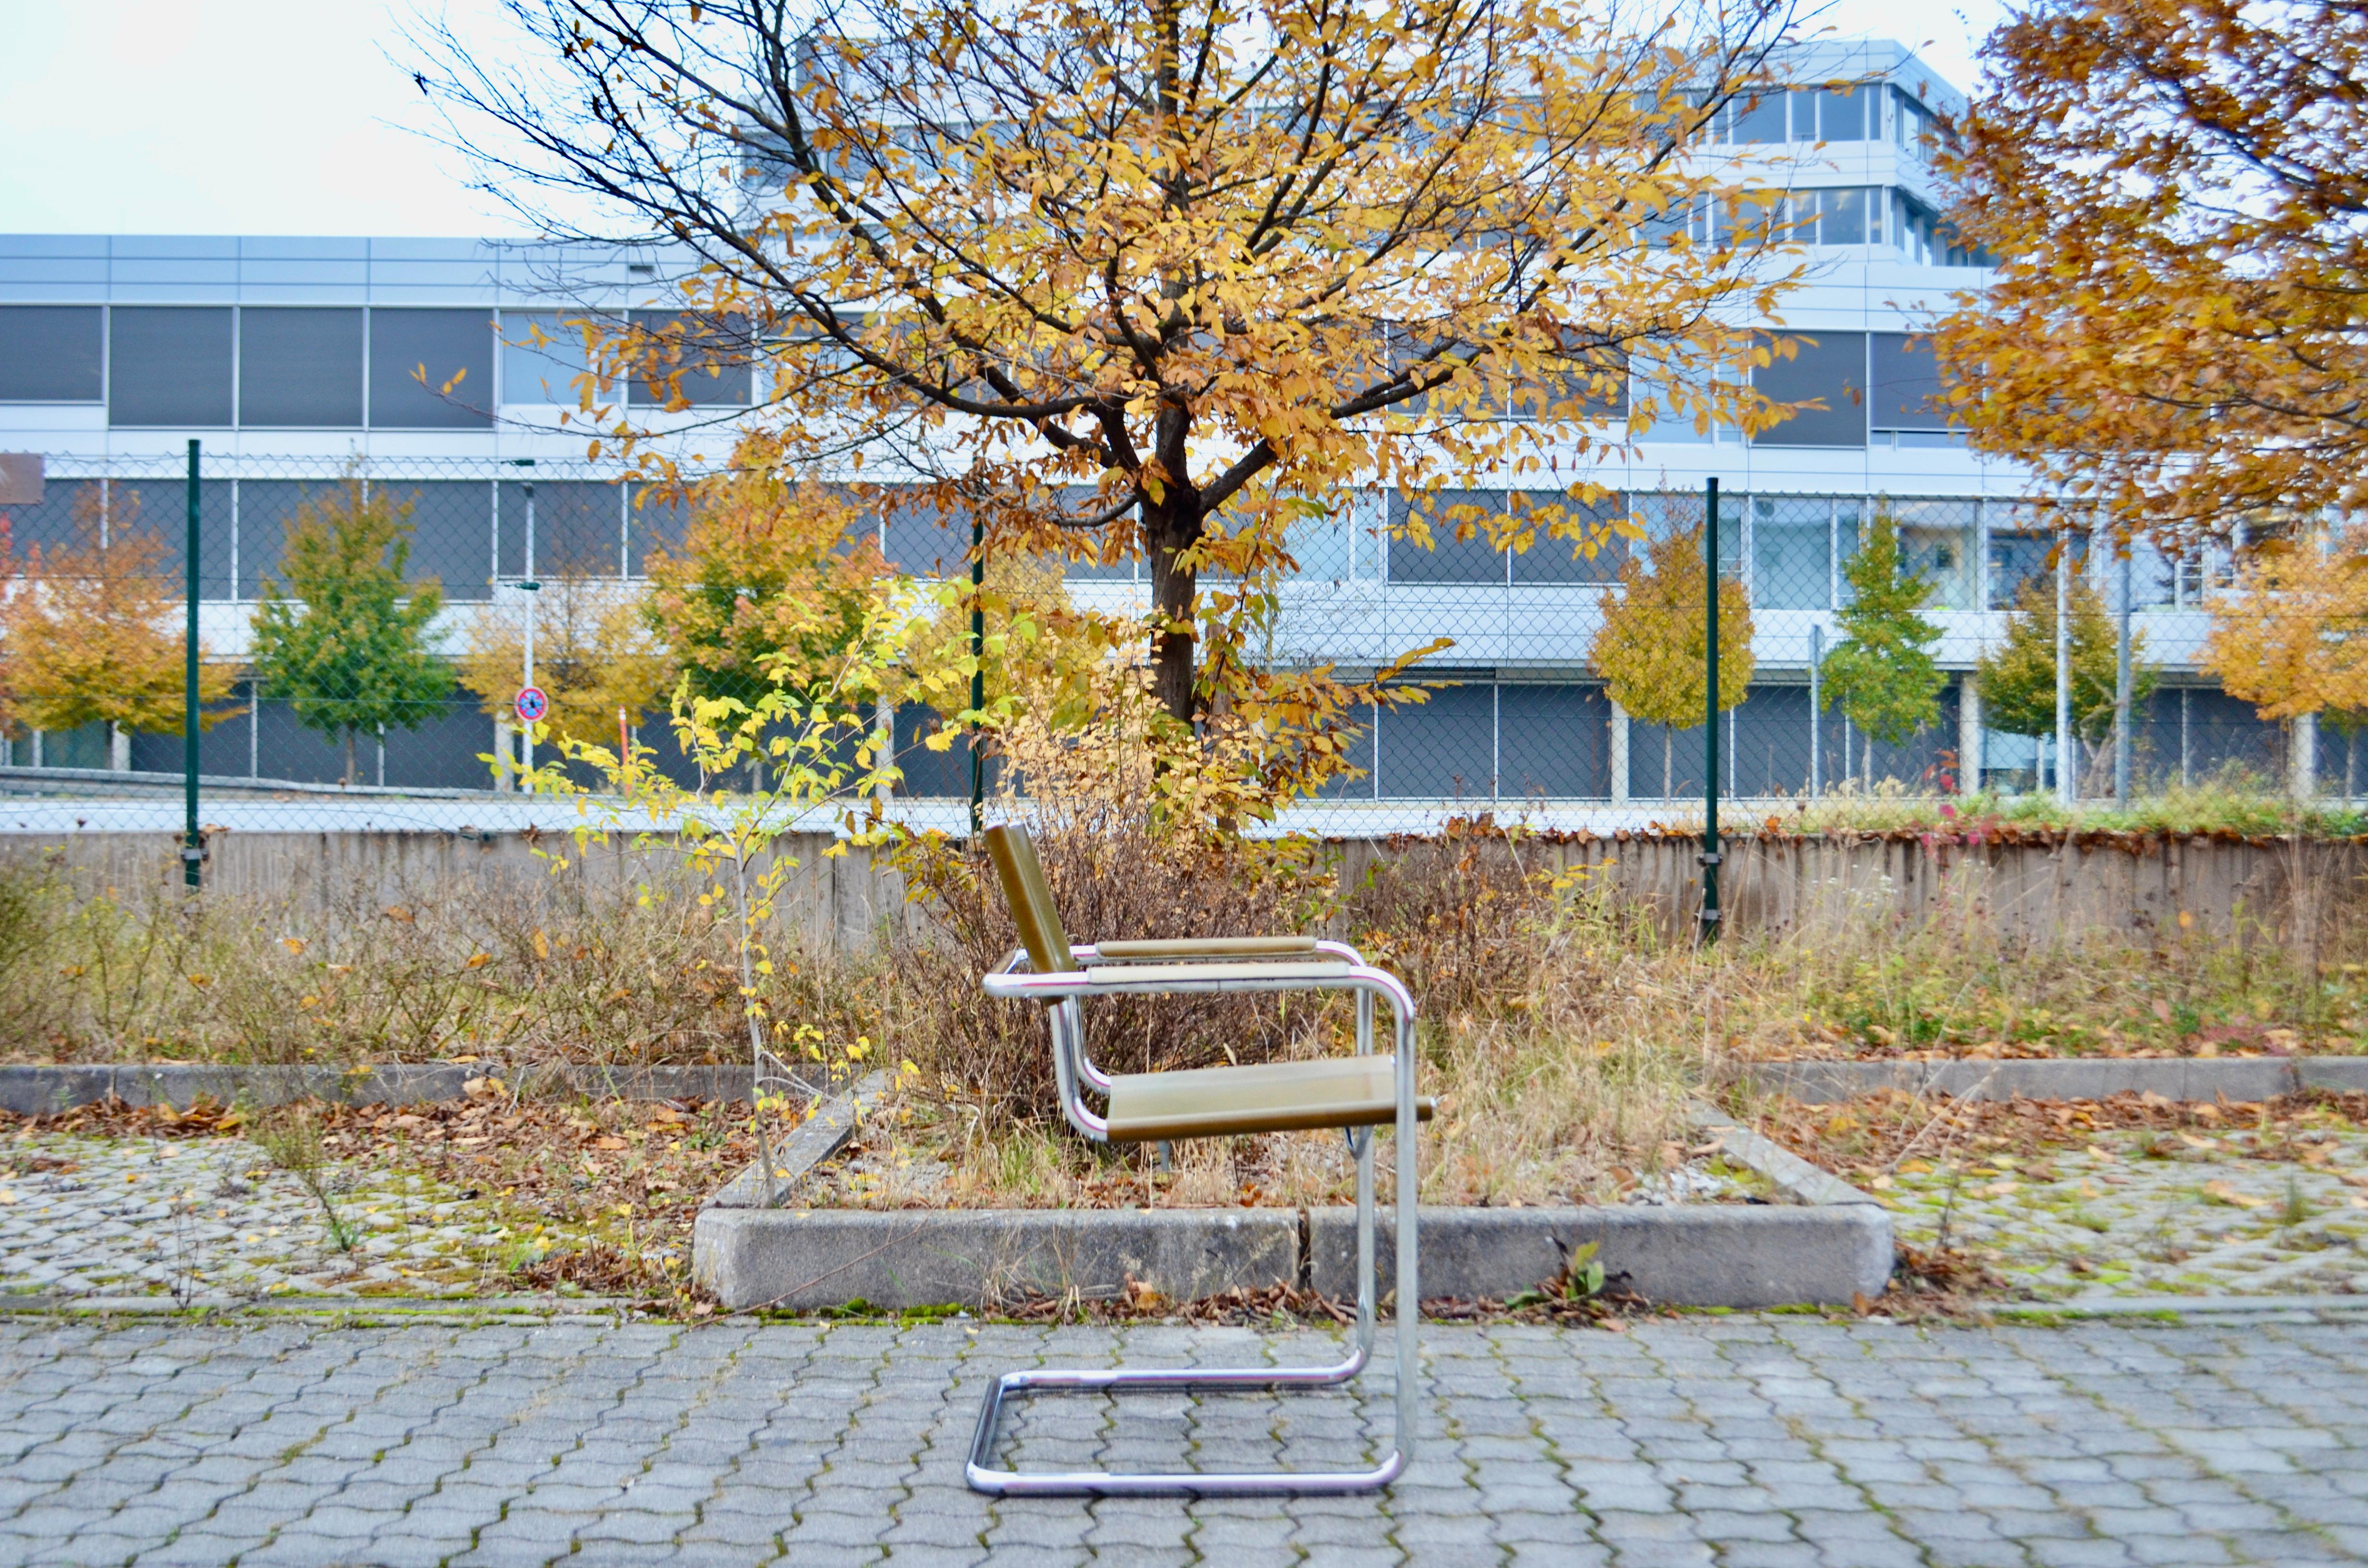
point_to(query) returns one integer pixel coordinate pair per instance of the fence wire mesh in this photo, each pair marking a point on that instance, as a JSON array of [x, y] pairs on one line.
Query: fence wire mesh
[[1518, 720]]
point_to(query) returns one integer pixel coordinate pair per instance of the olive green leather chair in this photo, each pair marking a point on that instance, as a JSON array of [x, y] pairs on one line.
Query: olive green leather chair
[[1355, 1094]]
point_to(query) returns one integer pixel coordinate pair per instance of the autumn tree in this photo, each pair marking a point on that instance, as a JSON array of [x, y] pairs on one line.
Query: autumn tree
[[93, 630], [595, 655], [348, 641], [2290, 635], [1141, 272], [2018, 677], [2173, 189], [1881, 673], [1652, 648], [769, 570]]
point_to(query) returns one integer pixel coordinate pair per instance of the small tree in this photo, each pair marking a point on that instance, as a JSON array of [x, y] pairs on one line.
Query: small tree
[[1882, 673], [2018, 677], [771, 585], [85, 628], [595, 652], [2290, 636], [347, 642], [1650, 649]]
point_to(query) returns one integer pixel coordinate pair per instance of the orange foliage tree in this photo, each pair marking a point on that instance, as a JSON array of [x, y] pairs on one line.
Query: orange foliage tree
[[2178, 323], [1132, 278], [94, 632]]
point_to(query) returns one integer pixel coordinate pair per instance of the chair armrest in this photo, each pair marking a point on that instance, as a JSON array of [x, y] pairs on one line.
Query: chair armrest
[[1203, 947]]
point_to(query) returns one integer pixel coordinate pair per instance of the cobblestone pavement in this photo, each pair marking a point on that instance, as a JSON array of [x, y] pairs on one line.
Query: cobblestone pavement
[[209, 1218], [1740, 1441], [2127, 1213]]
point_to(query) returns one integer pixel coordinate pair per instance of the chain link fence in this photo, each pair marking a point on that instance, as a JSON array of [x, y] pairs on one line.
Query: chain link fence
[[1518, 720]]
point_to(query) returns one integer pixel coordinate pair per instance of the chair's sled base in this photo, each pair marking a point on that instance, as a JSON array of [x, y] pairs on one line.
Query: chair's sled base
[[984, 1477]]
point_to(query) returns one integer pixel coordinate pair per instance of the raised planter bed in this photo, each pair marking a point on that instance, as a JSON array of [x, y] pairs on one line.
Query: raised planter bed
[[2242, 1080]]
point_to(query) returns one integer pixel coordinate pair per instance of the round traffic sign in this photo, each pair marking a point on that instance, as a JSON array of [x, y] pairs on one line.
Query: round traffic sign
[[531, 705]]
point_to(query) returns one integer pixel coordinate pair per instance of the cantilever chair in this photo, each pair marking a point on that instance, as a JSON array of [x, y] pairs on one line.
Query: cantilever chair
[[1356, 1094]]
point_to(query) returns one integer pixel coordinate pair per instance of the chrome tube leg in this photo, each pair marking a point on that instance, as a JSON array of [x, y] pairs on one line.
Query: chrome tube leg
[[1409, 1285], [1367, 1290]]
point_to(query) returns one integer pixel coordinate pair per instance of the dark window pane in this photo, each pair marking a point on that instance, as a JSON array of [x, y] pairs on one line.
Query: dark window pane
[[161, 508], [1441, 749], [451, 532], [1841, 116], [2016, 559], [300, 368], [713, 358], [1557, 560], [1554, 741], [451, 349], [929, 774], [1449, 559], [659, 522], [266, 508], [924, 541], [168, 365], [49, 353], [1358, 756], [1760, 117], [53, 524], [578, 526], [1831, 365], [1907, 383]]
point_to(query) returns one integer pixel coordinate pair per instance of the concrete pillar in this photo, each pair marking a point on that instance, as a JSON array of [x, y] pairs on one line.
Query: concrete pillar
[[2302, 757], [505, 749], [1618, 754], [119, 748], [1969, 734]]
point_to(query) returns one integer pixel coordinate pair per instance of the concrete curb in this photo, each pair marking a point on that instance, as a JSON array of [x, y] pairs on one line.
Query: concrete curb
[[1687, 1254], [800, 1260], [41, 1090], [1792, 1177], [1684, 1254], [2238, 1081]]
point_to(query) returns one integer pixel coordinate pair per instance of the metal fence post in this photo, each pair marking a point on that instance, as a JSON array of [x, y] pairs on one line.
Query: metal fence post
[[2122, 737], [1710, 854], [193, 846], [2066, 789], [977, 667], [1816, 748]]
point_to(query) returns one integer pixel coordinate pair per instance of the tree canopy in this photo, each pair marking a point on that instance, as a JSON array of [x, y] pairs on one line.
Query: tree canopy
[[1882, 673], [2018, 677], [2178, 324], [345, 641], [1120, 271], [85, 630], [1653, 646], [2290, 635]]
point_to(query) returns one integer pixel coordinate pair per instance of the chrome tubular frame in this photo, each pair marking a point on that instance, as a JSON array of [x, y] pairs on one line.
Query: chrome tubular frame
[[1074, 1069]]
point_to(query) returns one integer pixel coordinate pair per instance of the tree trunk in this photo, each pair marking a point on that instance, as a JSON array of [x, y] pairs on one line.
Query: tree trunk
[[1169, 530], [349, 757]]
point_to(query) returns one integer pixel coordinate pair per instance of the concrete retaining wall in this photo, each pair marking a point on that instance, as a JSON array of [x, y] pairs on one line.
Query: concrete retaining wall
[[2136, 886], [2240, 1081], [37, 1091]]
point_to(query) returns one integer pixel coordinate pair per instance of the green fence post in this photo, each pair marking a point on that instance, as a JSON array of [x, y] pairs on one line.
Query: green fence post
[[977, 667], [193, 847], [1710, 856]]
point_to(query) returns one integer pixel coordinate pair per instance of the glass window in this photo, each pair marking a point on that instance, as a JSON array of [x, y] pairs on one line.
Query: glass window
[[1935, 542], [578, 525], [300, 368], [267, 509], [2017, 556], [1759, 118], [50, 353], [1553, 742], [1449, 559], [1842, 217], [1668, 513], [1553, 558], [542, 352], [924, 541], [1842, 114], [711, 356], [452, 531], [1907, 387], [416, 356], [1792, 552], [657, 521], [1830, 367], [1443, 749], [169, 365]]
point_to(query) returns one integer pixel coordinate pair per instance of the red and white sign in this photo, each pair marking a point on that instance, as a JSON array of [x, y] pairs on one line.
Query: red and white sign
[[531, 705]]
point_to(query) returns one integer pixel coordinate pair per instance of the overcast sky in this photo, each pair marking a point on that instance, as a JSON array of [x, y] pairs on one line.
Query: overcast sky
[[299, 117]]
